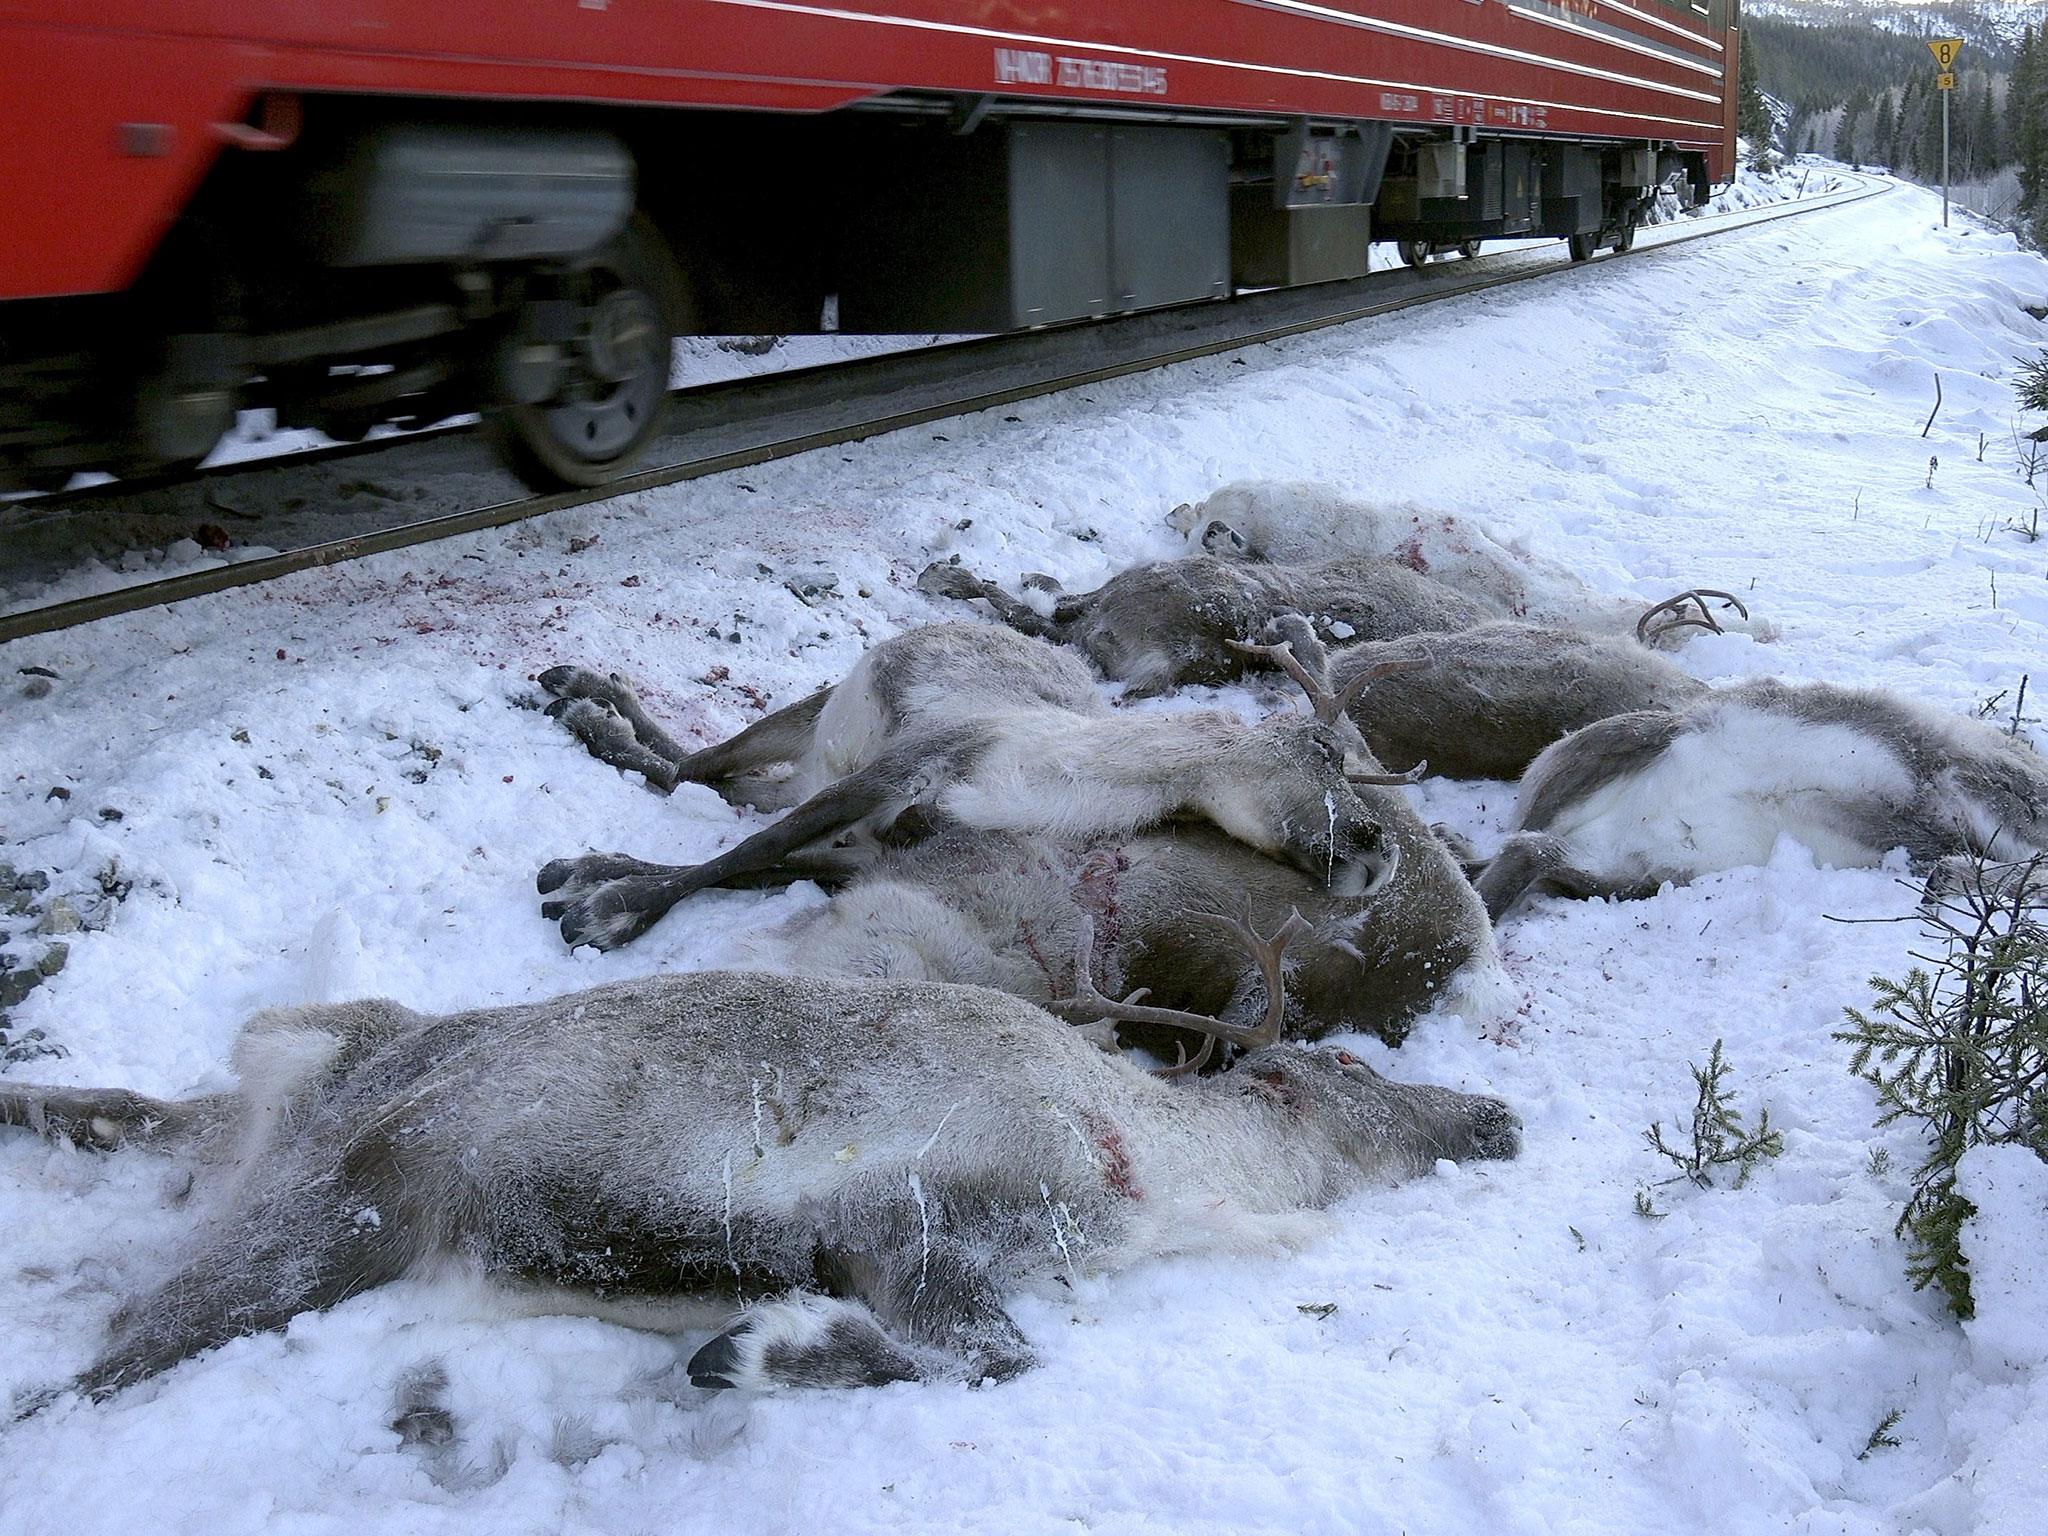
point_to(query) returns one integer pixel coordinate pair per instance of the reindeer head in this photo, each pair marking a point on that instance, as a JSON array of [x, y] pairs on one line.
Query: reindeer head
[[1288, 792], [1366, 1114], [1382, 1127], [1304, 773]]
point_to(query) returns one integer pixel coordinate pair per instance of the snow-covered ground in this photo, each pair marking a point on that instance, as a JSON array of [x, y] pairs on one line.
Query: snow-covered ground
[[328, 786]]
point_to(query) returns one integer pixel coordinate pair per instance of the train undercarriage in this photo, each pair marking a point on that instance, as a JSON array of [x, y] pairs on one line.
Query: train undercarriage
[[358, 263]]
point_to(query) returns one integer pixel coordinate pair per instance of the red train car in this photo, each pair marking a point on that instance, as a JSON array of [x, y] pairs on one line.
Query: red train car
[[368, 210]]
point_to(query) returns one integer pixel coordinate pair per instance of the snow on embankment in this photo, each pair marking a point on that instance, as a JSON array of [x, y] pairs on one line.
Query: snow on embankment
[[1752, 188], [326, 786]]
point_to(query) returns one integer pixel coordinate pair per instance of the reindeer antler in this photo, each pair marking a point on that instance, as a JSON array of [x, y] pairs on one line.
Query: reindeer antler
[[1411, 776], [1676, 604], [1266, 951], [1329, 707]]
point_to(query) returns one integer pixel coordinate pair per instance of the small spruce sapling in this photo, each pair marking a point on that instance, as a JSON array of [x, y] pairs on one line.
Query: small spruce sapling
[[1719, 1138], [2030, 383], [1962, 1048], [1882, 1438]]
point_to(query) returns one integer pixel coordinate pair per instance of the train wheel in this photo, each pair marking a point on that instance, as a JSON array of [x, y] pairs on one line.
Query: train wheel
[[1625, 237], [1582, 247], [1414, 252], [613, 392], [1468, 248]]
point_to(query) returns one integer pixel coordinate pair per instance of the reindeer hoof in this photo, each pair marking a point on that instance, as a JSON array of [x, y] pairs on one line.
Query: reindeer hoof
[[605, 899], [597, 724], [802, 1341], [1000, 1365], [606, 919], [947, 578], [579, 683], [716, 1367], [1456, 842], [1496, 1131], [1295, 630], [580, 876], [598, 899]]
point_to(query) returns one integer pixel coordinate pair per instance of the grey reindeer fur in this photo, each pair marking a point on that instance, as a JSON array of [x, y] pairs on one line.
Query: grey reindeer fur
[[1628, 804], [972, 724], [1297, 521], [912, 1150], [1160, 625], [1496, 695], [1002, 910]]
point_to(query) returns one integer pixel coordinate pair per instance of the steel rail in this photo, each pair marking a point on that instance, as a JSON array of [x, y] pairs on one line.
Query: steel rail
[[870, 397]]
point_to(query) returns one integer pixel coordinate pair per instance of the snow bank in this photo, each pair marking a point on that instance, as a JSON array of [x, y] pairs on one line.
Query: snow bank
[[1751, 188], [328, 784], [2008, 1281]]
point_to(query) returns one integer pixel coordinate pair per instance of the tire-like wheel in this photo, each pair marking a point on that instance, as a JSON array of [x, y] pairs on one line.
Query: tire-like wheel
[[1413, 252], [1582, 247], [1468, 248], [614, 391]]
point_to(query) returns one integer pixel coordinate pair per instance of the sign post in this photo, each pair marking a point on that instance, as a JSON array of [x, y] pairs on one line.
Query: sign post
[[1945, 50]]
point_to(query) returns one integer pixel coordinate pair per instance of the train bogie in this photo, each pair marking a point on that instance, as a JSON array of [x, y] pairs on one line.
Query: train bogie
[[501, 208]]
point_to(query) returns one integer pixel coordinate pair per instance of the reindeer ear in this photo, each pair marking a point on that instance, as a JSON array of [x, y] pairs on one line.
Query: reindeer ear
[[1219, 538]]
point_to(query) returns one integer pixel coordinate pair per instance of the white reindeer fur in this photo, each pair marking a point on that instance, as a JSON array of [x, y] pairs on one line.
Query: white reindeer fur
[[1062, 763], [1850, 774], [1301, 521], [1721, 797]]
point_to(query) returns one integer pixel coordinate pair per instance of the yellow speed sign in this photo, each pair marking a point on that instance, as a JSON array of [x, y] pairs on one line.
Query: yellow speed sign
[[1945, 81], [1945, 50]]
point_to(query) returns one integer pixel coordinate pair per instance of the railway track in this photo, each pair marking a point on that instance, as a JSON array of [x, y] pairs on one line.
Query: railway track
[[330, 505]]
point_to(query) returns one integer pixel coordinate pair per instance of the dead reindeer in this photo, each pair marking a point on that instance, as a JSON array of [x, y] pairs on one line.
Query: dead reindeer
[[1289, 523], [1493, 697], [867, 1166], [1008, 910], [974, 725], [1626, 805], [1001, 908], [1173, 622], [1158, 626]]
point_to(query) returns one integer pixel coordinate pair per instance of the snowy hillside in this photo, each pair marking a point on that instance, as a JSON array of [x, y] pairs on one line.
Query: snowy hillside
[[330, 787], [1980, 23]]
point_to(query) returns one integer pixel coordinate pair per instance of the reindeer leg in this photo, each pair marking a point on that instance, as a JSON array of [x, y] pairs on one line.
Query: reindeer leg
[[606, 900], [936, 1293], [602, 711], [106, 1118], [297, 1251], [942, 579], [803, 1340], [609, 737], [1457, 844], [781, 737], [919, 1305], [1536, 860]]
